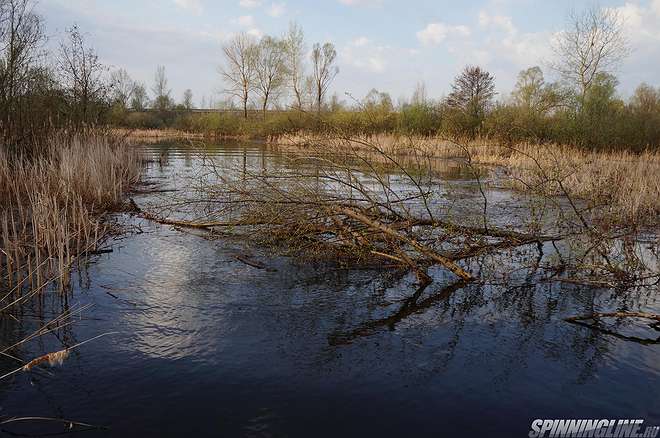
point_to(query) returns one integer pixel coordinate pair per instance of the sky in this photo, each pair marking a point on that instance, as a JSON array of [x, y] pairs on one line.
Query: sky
[[389, 45]]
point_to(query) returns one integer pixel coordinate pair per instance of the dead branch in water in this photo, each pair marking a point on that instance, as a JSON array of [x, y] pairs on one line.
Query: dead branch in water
[[595, 316]]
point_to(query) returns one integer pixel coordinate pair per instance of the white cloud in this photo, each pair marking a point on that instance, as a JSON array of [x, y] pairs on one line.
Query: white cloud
[[249, 26], [245, 21], [194, 6], [366, 57], [435, 33], [500, 22], [277, 9], [249, 3]]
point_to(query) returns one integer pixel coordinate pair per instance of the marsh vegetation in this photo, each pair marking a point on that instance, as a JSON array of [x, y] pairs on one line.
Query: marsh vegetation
[[540, 205]]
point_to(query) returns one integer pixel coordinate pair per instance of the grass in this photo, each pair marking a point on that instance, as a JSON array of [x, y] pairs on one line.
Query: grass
[[52, 206], [624, 186]]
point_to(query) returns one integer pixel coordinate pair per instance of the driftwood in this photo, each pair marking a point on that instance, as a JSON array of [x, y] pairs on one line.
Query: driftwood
[[254, 264], [594, 316]]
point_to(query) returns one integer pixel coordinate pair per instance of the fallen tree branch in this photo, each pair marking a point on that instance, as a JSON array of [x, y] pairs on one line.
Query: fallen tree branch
[[643, 315]]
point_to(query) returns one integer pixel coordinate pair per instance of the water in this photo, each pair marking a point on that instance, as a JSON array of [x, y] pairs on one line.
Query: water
[[205, 345]]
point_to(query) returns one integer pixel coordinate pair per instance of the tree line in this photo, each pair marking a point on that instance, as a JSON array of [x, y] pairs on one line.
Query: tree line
[[41, 90]]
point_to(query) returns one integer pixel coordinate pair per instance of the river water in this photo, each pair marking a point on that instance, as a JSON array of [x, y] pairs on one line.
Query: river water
[[201, 344]]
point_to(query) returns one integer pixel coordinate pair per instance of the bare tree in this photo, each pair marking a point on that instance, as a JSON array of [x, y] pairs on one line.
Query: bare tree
[[472, 91], [122, 87], [140, 98], [238, 72], [419, 96], [81, 73], [21, 36], [161, 90], [270, 69], [294, 42], [594, 43], [324, 70], [188, 99]]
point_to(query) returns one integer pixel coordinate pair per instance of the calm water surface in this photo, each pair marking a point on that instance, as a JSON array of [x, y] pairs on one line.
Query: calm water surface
[[205, 345]]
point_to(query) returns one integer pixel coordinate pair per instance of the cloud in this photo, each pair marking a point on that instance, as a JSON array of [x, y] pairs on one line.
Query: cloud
[[501, 22], [245, 21], [249, 3], [255, 32], [249, 25], [362, 54], [277, 9], [194, 6], [435, 33]]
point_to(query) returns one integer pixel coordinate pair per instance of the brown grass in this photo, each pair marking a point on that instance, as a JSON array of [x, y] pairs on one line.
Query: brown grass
[[161, 134], [626, 185], [50, 208]]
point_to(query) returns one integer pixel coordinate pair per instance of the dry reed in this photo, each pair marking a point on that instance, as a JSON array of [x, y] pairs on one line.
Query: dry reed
[[625, 185], [51, 206]]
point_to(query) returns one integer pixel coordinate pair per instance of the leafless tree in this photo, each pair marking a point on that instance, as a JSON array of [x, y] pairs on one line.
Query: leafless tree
[[238, 71], [81, 73], [140, 98], [594, 43], [324, 70], [21, 38], [472, 91], [419, 96], [161, 90], [122, 87], [295, 63], [188, 99], [270, 69]]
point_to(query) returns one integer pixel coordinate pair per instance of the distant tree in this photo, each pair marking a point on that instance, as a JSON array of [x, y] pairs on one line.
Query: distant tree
[[162, 100], [379, 101], [81, 75], [294, 42], [472, 91], [594, 43], [187, 101], [472, 94], [324, 71], [239, 69], [139, 97], [121, 86], [646, 99], [21, 36], [419, 96], [533, 94], [270, 69]]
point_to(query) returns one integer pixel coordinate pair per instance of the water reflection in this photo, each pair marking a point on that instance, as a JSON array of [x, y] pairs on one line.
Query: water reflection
[[211, 346]]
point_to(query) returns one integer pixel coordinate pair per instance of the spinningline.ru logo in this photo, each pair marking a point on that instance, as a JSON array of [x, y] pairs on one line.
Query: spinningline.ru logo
[[592, 429]]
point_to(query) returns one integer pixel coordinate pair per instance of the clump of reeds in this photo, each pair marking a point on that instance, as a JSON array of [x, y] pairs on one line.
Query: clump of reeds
[[50, 208]]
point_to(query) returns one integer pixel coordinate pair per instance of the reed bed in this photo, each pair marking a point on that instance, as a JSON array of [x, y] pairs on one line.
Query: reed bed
[[51, 208], [624, 185], [161, 134]]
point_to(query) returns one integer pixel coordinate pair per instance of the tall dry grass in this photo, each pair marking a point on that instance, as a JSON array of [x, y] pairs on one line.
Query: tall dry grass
[[624, 185], [51, 206]]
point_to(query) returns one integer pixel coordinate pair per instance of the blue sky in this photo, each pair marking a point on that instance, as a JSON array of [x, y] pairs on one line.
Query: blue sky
[[385, 44]]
